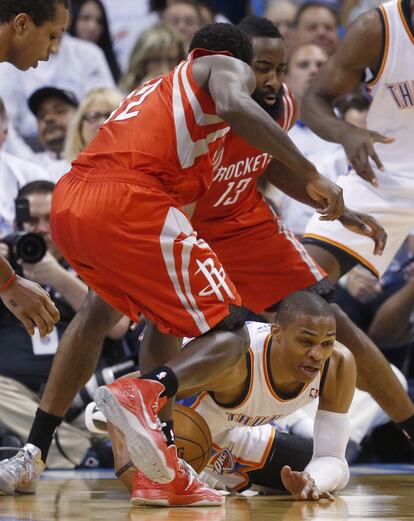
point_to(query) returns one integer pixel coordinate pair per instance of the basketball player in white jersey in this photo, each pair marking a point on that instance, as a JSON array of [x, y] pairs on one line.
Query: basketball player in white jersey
[[288, 365], [378, 46]]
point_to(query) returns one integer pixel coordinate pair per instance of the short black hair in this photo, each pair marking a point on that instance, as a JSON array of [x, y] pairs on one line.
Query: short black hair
[[259, 27], [224, 37], [40, 11], [36, 187], [302, 303], [360, 103]]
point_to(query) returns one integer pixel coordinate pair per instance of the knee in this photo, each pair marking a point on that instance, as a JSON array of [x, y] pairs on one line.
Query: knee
[[234, 326], [97, 314]]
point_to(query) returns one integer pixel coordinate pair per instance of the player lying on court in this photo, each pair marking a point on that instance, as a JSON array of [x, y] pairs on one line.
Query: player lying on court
[[154, 155], [288, 365]]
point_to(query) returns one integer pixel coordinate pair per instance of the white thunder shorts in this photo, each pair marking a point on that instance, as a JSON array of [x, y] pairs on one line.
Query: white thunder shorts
[[392, 204]]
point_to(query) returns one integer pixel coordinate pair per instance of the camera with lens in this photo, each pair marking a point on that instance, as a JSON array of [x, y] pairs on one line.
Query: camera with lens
[[26, 246]]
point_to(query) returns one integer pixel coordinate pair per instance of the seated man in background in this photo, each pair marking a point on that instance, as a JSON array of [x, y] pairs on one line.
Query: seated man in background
[[54, 109], [288, 365], [25, 362]]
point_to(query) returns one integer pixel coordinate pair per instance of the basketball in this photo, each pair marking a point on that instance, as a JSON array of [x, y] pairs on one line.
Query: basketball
[[192, 437]]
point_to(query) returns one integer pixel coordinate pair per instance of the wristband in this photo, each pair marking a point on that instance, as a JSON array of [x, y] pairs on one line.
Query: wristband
[[8, 282]]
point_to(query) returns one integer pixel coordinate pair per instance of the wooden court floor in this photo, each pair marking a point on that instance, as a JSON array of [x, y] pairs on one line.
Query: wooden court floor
[[83, 496]]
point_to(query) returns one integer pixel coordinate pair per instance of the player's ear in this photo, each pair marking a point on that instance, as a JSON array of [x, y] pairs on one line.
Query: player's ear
[[21, 23]]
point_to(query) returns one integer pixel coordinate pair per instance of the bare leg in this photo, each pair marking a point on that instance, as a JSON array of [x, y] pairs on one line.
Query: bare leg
[[156, 349], [121, 456], [205, 357], [374, 372], [78, 354]]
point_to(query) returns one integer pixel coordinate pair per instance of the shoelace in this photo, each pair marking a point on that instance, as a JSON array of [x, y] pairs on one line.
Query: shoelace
[[23, 457]]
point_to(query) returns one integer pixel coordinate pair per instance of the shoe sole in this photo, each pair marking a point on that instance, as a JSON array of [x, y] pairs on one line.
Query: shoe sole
[[145, 454], [5, 489], [165, 503]]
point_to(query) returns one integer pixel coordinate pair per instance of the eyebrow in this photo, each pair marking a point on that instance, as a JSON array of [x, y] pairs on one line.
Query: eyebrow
[[313, 332]]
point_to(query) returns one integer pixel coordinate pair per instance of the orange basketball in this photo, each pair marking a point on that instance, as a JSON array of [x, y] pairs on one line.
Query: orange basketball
[[192, 437]]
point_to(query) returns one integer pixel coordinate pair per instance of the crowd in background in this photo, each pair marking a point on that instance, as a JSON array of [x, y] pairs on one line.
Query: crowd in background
[[49, 114]]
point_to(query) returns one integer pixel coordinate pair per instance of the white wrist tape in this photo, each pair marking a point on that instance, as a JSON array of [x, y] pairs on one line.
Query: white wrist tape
[[328, 466]]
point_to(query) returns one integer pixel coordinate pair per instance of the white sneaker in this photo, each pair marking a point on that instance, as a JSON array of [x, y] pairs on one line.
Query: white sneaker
[[21, 472]]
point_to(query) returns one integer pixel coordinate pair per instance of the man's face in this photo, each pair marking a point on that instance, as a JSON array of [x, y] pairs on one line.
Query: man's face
[[32, 44], [304, 346], [318, 25], [269, 65], [304, 65], [40, 205], [184, 18], [53, 118]]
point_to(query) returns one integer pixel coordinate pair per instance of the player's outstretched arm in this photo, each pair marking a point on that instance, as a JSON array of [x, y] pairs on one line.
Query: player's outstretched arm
[[30, 303], [299, 187], [328, 466], [361, 48], [230, 84]]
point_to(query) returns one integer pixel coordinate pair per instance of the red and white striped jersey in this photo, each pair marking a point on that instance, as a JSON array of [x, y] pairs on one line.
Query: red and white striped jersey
[[233, 196], [168, 129]]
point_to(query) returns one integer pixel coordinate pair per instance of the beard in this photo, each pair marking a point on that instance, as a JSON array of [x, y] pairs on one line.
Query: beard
[[275, 110]]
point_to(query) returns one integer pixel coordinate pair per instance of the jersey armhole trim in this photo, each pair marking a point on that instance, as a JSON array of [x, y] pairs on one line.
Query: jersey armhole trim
[[323, 377], [404, 10], [379, 68]]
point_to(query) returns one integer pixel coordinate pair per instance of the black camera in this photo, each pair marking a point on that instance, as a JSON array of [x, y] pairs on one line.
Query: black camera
[[26, 246]]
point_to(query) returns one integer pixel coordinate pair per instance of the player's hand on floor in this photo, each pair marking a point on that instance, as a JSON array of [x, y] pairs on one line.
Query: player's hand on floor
[[364, 224], [32, 305], [359, 147], [301, 486], [328, 197]]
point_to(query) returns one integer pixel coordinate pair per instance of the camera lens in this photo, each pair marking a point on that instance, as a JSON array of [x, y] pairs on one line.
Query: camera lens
[[31, 248]]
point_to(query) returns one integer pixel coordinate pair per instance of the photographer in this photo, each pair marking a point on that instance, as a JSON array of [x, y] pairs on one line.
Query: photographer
[[25, 362]]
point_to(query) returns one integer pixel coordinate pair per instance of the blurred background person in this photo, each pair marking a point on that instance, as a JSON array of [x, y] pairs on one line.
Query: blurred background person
[[185, 17], [282, 13], [89, 22], [14, 173], [94, 109], [157, 51], [317, 22], [53, 109]]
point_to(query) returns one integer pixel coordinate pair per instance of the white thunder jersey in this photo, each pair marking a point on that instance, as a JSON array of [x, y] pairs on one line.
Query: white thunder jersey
[[237, 449], [392, 110], [392, 114]]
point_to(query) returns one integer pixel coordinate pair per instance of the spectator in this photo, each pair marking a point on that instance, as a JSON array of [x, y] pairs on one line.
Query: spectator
[[329, 158], [79, 66], [89, 22], [317, 22], [354, 109], [54, 110], [14, 173], [127, 24], [158, 51], [282, 13], [185, 17], [25, 362], [95, 108]]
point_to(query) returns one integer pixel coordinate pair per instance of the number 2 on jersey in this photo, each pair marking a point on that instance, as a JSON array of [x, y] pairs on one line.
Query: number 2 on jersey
[[128, 111]]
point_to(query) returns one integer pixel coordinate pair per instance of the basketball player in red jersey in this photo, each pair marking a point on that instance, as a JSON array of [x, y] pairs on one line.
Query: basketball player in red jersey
[[116, 218]]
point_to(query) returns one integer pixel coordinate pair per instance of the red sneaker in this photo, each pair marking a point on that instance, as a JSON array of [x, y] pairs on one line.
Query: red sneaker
[[131, 404], [186, 490]]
